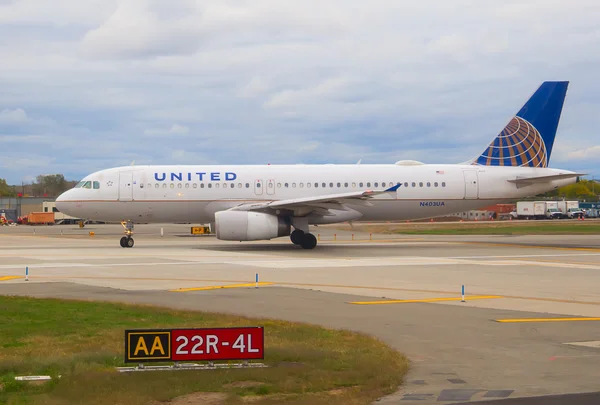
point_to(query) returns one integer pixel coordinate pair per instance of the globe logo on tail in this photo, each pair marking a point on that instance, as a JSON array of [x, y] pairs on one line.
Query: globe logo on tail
[[519, 144]]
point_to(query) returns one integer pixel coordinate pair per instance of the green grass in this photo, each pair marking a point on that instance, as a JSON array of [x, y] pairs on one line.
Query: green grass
[[505, 229], [83, 342]]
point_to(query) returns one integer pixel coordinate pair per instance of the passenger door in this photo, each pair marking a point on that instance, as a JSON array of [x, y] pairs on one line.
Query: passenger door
[[471, 184], [126, 186]]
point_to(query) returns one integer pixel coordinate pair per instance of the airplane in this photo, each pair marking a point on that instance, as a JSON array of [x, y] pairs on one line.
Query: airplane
[[263, 202]]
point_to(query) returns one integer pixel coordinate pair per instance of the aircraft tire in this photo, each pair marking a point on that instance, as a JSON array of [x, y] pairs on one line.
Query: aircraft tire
[[129, 242], [297, 236], [123, 241], [308, 241]]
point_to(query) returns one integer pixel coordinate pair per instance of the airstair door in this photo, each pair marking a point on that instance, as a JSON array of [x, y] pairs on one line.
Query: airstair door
[[471, 184], [126, 186]]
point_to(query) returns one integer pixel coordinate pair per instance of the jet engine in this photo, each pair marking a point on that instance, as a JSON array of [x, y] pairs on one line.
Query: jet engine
[[246, 225]]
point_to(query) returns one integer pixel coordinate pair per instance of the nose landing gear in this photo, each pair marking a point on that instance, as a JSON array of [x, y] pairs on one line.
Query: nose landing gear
[[127, 241]]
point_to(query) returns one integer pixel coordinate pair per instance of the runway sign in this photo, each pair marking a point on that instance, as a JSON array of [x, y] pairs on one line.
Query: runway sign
[[200, 230], [206, 344]]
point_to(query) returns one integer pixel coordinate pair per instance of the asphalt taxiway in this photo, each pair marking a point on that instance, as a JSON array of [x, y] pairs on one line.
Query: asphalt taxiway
[[529, 324]]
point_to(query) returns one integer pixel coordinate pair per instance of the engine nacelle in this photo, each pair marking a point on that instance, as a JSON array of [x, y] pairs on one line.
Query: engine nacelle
[[247, 225]]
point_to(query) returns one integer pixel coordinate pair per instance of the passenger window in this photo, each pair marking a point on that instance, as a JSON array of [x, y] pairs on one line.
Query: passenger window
[[353, 185], [360, 184], [414, 184], [420, 184], [164, 185], [316, 185], [141, 185], [224, 185], [270, 185], [195, 185], [368, 184], [376, 184], [383, 184], [217, 185], [247, 185], [324, 185], [278, 185], [443, 184], [179, 185], [339, 185], [428, 184], [231, 185], [172, 185], [307, 185], [157, 185], [293, 185], [286, 185], [301, 185], [435, 184], [405, 184], [346, 185], [209, 185], [331, 185], [239, 185], [201, 185]]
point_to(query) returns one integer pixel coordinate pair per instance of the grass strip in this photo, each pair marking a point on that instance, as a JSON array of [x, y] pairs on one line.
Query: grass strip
[[83, 343]]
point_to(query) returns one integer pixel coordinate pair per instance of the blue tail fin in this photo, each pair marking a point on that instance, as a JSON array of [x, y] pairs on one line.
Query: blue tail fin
[[528, 138]]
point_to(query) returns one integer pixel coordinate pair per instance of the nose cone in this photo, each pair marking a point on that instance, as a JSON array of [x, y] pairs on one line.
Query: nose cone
[[62, 202]]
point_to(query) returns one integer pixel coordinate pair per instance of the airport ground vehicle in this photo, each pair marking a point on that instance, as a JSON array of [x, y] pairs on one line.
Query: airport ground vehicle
[[40, 218], [567, 206], [537, 210]]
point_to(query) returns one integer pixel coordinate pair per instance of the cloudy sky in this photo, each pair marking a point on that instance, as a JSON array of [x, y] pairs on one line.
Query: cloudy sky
[[92, 84]]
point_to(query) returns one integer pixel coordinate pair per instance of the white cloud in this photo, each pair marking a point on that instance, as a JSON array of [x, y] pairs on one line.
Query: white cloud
[[255, 87], [589, 153], [17, 115], [175, 129]]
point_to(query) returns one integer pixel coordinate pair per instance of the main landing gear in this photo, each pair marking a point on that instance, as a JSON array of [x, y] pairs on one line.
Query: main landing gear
[[306, 240], [127, 240]]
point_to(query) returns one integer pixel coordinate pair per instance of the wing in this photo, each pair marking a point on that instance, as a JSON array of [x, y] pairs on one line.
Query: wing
[[320, 204], [527, 181]]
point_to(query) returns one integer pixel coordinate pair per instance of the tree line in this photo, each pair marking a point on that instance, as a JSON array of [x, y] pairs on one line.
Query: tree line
[[49, 185]]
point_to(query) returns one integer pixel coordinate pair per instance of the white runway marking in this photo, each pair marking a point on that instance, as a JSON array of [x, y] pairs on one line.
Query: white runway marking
[[296, 262]]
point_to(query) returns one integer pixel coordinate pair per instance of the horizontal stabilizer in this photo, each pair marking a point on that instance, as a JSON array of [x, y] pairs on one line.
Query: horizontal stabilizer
[[526, 181]]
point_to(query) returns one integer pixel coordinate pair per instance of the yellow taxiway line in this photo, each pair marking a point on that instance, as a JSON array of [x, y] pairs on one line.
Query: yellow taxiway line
[[545, 320], [6, 278], [467, 298], [218, 287]]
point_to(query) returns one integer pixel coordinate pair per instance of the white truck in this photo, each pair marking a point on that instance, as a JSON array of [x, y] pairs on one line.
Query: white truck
[[531, 209], [552, 211], [570, 209], [537, 210]]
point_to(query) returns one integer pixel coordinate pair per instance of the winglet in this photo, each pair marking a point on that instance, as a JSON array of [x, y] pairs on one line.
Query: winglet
[[394, 188]]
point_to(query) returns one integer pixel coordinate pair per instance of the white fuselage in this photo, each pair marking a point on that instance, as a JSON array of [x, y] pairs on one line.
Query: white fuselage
[[192, 194]]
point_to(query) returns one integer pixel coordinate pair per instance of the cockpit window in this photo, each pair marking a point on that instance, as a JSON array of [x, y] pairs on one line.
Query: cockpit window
[[87, 184], [96, 185], [80, 184]]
